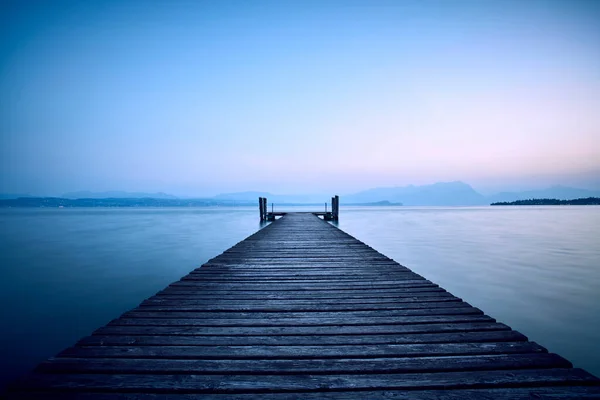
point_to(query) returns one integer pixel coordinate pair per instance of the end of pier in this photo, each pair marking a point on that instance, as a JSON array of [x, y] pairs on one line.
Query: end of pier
[[332, 215]]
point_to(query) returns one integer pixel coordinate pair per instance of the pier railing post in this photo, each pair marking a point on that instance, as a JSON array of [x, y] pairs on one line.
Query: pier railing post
[[261, 209], [265, 208], [335, 207]]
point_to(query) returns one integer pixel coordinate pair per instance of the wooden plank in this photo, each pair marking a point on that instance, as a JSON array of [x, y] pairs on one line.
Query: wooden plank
[[297, 296], [303, 270], [282, 308], [196, 306], [505, 393], [232, 322], [199, 283], [333, 279], [424, 290], [337, 267], [412, 298], [388, 295], [306, 271], [406, 338], [564, 392], [464, 310], [303, 366], [275, 260], [278, 288], [298, 330], [298, 352], [185, 383], [166, 300]]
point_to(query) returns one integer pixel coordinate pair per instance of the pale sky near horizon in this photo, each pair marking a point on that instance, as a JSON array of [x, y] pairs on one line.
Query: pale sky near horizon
[[199, 97]]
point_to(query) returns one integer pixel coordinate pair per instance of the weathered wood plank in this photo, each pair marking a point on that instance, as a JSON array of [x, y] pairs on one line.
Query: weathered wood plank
[[397, 308], [296, 352], [298, 330], [248, 286], [506, 393], [303, 366], [398, 320], [303, 295], [347, 304], [184, 383], [333, 294], [269, 295], [461, 310], [406, 338], [195, 306], [355, 268], [305, 272], [351, 299]]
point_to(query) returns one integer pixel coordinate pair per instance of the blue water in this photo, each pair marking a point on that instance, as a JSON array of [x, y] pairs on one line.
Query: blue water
[[536, 269], [65, 272]]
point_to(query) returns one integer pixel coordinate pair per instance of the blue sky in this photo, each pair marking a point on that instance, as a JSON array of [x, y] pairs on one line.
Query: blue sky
[[198, 98]]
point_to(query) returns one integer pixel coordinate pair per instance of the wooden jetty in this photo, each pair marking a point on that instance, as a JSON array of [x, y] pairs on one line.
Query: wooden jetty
[[301, 309], [332, 215]]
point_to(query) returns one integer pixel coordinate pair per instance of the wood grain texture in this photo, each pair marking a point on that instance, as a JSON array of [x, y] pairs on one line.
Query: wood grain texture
[[512, 393]]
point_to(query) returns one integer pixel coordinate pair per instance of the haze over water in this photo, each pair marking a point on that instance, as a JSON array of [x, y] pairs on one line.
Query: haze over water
[[66, 272]]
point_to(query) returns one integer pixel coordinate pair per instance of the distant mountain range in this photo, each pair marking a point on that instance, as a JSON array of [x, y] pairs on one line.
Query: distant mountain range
[[461, 194], [438, 194]]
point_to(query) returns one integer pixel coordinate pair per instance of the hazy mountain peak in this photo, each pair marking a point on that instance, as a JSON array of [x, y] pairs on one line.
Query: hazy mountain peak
[[441, 193]]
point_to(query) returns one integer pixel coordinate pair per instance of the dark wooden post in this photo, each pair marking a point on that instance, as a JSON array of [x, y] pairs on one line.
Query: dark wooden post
[[333, 208], [336, 207], [265, 208], [260, 207]]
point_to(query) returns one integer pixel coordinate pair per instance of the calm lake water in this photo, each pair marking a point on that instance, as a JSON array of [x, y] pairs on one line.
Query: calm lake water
[[66, 272]]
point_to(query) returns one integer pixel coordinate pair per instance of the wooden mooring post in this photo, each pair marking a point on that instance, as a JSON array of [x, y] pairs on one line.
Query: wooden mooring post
[[335, 207], [265, 207], [261, 209], [262, 205]]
